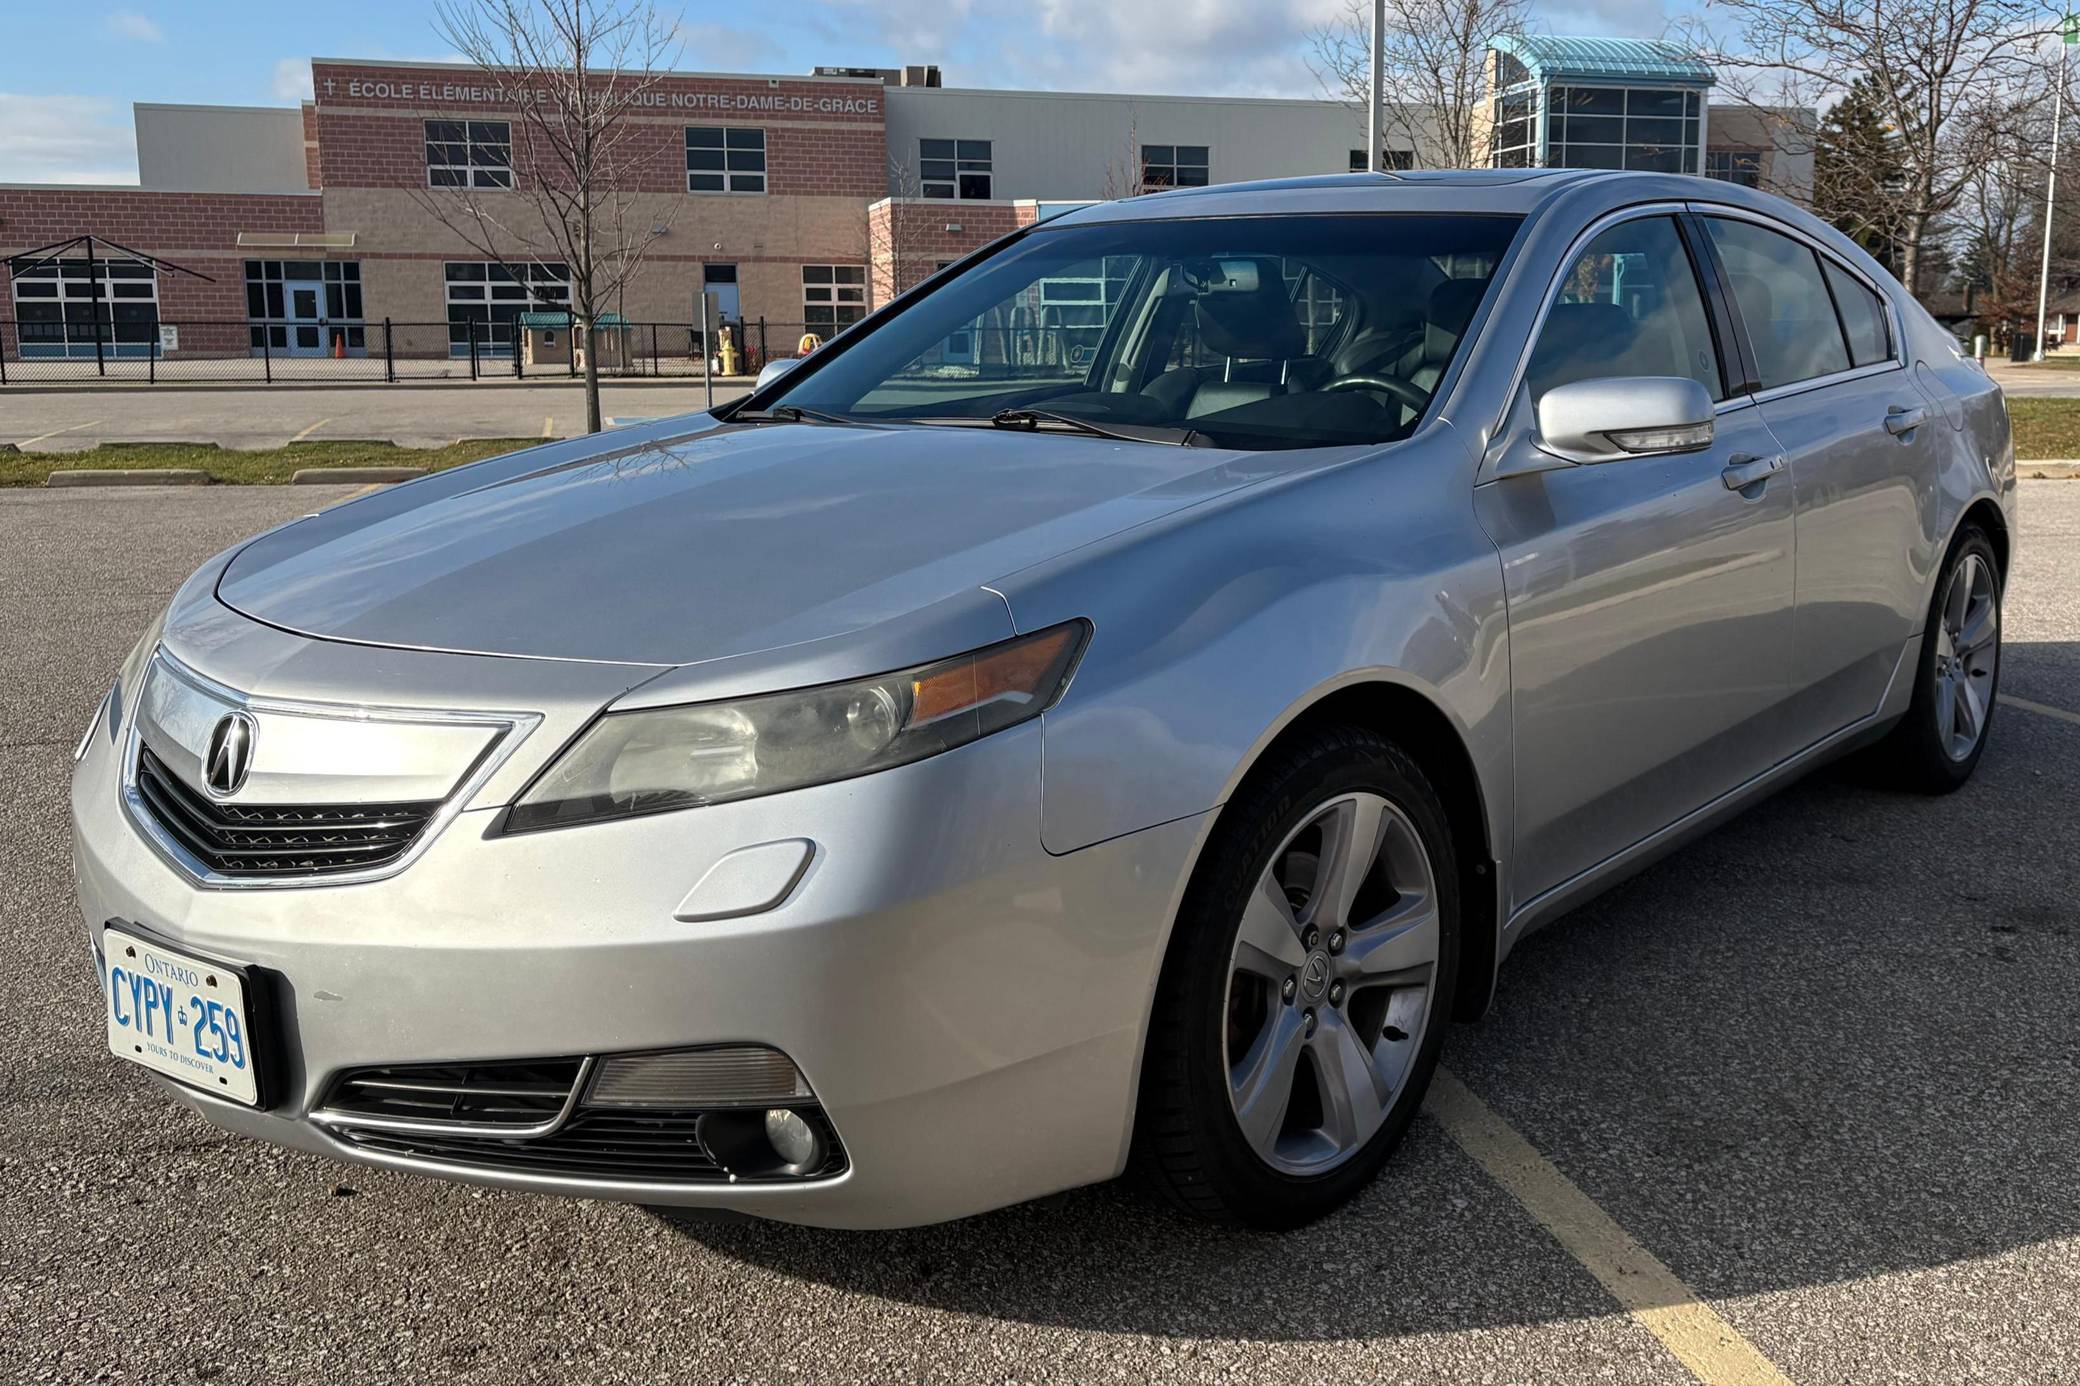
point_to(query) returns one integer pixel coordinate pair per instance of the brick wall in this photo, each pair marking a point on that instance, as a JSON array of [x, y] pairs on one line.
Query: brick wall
[[908, 237]]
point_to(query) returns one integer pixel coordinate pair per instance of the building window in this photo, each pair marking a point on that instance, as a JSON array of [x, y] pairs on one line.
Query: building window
[[1513, 140], [1392, 160], [954, 168], [65, 308], [287, 300], [469, 154], [1174, 166], [833, 296], [484, 298], [1618, 127], [1742, 166], [725, 158]]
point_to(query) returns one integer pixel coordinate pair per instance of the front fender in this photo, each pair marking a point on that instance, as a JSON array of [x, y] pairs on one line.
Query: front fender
[[1218, 626]]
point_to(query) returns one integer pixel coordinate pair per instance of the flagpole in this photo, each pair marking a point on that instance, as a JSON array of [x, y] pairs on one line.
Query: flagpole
[[1374, 159], [2066, 37]]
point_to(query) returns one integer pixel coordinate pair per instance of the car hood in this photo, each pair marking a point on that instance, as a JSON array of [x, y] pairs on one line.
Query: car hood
[[706, 544]]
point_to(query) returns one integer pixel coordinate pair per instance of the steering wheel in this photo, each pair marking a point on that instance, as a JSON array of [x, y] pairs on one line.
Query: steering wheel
[[1411, 395]]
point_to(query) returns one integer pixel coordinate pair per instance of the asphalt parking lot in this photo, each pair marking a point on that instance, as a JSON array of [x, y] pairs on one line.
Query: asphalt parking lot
[[70, 420], [1819, 1066]]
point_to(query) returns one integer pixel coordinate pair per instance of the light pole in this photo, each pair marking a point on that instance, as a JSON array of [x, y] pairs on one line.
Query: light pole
[[2069, 34], [1374, 159]]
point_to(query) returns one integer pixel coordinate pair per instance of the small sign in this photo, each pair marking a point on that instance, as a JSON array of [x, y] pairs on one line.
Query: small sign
[[169, 337], [2069, 28]]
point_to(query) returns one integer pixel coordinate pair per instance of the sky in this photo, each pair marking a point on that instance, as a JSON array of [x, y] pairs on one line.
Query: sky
[[69, 71]]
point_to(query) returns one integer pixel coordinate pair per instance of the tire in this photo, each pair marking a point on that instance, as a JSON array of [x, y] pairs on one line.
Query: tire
[[1227, 1010], [1926, 753]]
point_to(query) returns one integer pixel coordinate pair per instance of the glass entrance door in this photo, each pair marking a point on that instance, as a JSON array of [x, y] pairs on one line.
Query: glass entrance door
[[304, 305]]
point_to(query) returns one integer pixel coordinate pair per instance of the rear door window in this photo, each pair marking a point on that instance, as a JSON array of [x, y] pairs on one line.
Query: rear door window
[[1783, 302]]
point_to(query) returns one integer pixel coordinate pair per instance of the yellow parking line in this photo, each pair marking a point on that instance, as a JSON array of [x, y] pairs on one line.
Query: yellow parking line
[[1706, 1344], [309, 431], [2041, 709], [69, 428]]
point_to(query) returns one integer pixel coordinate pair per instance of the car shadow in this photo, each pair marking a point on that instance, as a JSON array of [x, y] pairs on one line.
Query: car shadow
[[1829, 1041]]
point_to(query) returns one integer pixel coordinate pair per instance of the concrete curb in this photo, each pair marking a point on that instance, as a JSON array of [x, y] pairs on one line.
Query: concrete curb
[[135, 476], [2063, 469], [352, 476]]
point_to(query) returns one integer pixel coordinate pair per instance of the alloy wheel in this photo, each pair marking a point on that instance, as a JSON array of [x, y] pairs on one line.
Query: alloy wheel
[[1331, 984], [1968, 651]]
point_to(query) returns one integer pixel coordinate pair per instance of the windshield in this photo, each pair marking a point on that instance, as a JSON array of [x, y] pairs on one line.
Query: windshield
[[1247, 332]]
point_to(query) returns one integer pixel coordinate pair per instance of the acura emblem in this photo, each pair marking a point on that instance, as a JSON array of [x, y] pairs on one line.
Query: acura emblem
[[230, 755]]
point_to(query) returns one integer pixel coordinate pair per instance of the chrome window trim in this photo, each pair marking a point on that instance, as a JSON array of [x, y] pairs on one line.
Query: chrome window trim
[[511, 729], [326, 1116]]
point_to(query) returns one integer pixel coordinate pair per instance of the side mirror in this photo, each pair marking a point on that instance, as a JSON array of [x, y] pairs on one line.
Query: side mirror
[[1624, 416], [773, 370]]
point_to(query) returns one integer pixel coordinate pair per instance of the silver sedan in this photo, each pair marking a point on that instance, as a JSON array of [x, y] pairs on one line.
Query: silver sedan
[[1112, 707]]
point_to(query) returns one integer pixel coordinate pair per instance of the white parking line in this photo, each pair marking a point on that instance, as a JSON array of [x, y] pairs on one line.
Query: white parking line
[[1710, 1347], [2041, 709], [309, 431], [548, 425], [70, 428]]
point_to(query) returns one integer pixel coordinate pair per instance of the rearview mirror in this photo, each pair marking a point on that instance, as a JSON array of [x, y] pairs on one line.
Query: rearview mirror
[[1624, 416], [773, 370]]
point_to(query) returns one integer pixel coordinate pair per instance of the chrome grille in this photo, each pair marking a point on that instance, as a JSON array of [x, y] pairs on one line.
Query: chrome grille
[[515, 1095], [277, 839]]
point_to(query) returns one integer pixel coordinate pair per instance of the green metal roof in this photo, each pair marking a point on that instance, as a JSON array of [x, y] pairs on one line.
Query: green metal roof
[[1551, 57], [560, 318]]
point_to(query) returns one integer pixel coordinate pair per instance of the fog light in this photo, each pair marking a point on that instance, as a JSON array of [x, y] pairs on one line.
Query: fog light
[[738, 1075], [791, 1139]]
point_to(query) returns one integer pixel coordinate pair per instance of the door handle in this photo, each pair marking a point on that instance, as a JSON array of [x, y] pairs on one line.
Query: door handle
[[1902, 419], [1743, 472]]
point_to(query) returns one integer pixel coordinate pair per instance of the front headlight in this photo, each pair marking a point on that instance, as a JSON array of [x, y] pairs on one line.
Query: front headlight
[[657, 759]]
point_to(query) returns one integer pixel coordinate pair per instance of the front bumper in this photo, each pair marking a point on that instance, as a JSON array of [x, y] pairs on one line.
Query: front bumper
[[968, 1009]]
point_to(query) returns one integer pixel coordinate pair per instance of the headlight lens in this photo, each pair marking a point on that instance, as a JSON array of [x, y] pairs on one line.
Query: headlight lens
[[658, 759]]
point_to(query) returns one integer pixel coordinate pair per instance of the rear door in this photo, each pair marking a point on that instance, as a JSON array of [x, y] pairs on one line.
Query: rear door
[[1837, 394], [1650, 598]]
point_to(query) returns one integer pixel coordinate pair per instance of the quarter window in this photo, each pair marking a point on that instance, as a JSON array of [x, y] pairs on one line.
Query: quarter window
[[63, 308], [469, 154], [725, 158], [1174, 166], [955, 168], [484, 299], [1863, 317], [833, 296], [1630, 305], [1783, 301]]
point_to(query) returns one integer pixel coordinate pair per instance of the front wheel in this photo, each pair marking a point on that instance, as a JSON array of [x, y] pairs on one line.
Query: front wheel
[[1306, 992], [1938, 743]]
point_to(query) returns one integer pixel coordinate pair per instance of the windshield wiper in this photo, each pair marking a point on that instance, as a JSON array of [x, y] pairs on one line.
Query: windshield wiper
[[790, 413], [1032, 419]]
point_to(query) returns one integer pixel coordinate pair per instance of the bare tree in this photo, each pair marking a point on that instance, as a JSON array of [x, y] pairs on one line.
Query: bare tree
[[896, 246], [1433, 80], [1123, 173], [573, 73], [1939, 75]]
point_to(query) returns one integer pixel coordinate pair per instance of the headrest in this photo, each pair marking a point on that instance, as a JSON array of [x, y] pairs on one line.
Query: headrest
[[1257, 324], [1582, 341], [1451, 308]]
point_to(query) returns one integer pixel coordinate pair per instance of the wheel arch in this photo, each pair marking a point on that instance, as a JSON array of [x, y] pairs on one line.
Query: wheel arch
[[1987, 515], [1417, 723]]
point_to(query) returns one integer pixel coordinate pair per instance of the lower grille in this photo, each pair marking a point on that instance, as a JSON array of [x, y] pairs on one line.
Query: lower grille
[[278, 839], [527, 1095], [523, 1117]]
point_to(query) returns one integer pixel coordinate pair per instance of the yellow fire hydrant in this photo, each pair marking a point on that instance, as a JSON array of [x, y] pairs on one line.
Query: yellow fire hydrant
[[727, 351]]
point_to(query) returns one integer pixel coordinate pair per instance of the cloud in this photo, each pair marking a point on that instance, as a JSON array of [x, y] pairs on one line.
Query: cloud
[[129, 24], [292, 79], [64, 139]]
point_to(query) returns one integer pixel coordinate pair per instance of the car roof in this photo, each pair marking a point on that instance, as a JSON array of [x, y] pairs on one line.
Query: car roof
[[1505, 191]]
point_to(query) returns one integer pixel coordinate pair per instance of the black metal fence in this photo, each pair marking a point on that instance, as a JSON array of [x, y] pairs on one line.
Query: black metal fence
[[271, 351]]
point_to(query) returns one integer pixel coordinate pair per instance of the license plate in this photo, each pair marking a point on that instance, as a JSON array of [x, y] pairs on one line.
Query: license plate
[[183, 1016]]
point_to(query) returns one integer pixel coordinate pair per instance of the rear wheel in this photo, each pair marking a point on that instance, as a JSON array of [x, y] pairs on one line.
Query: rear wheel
[[1938, 743], [1305, 996]]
